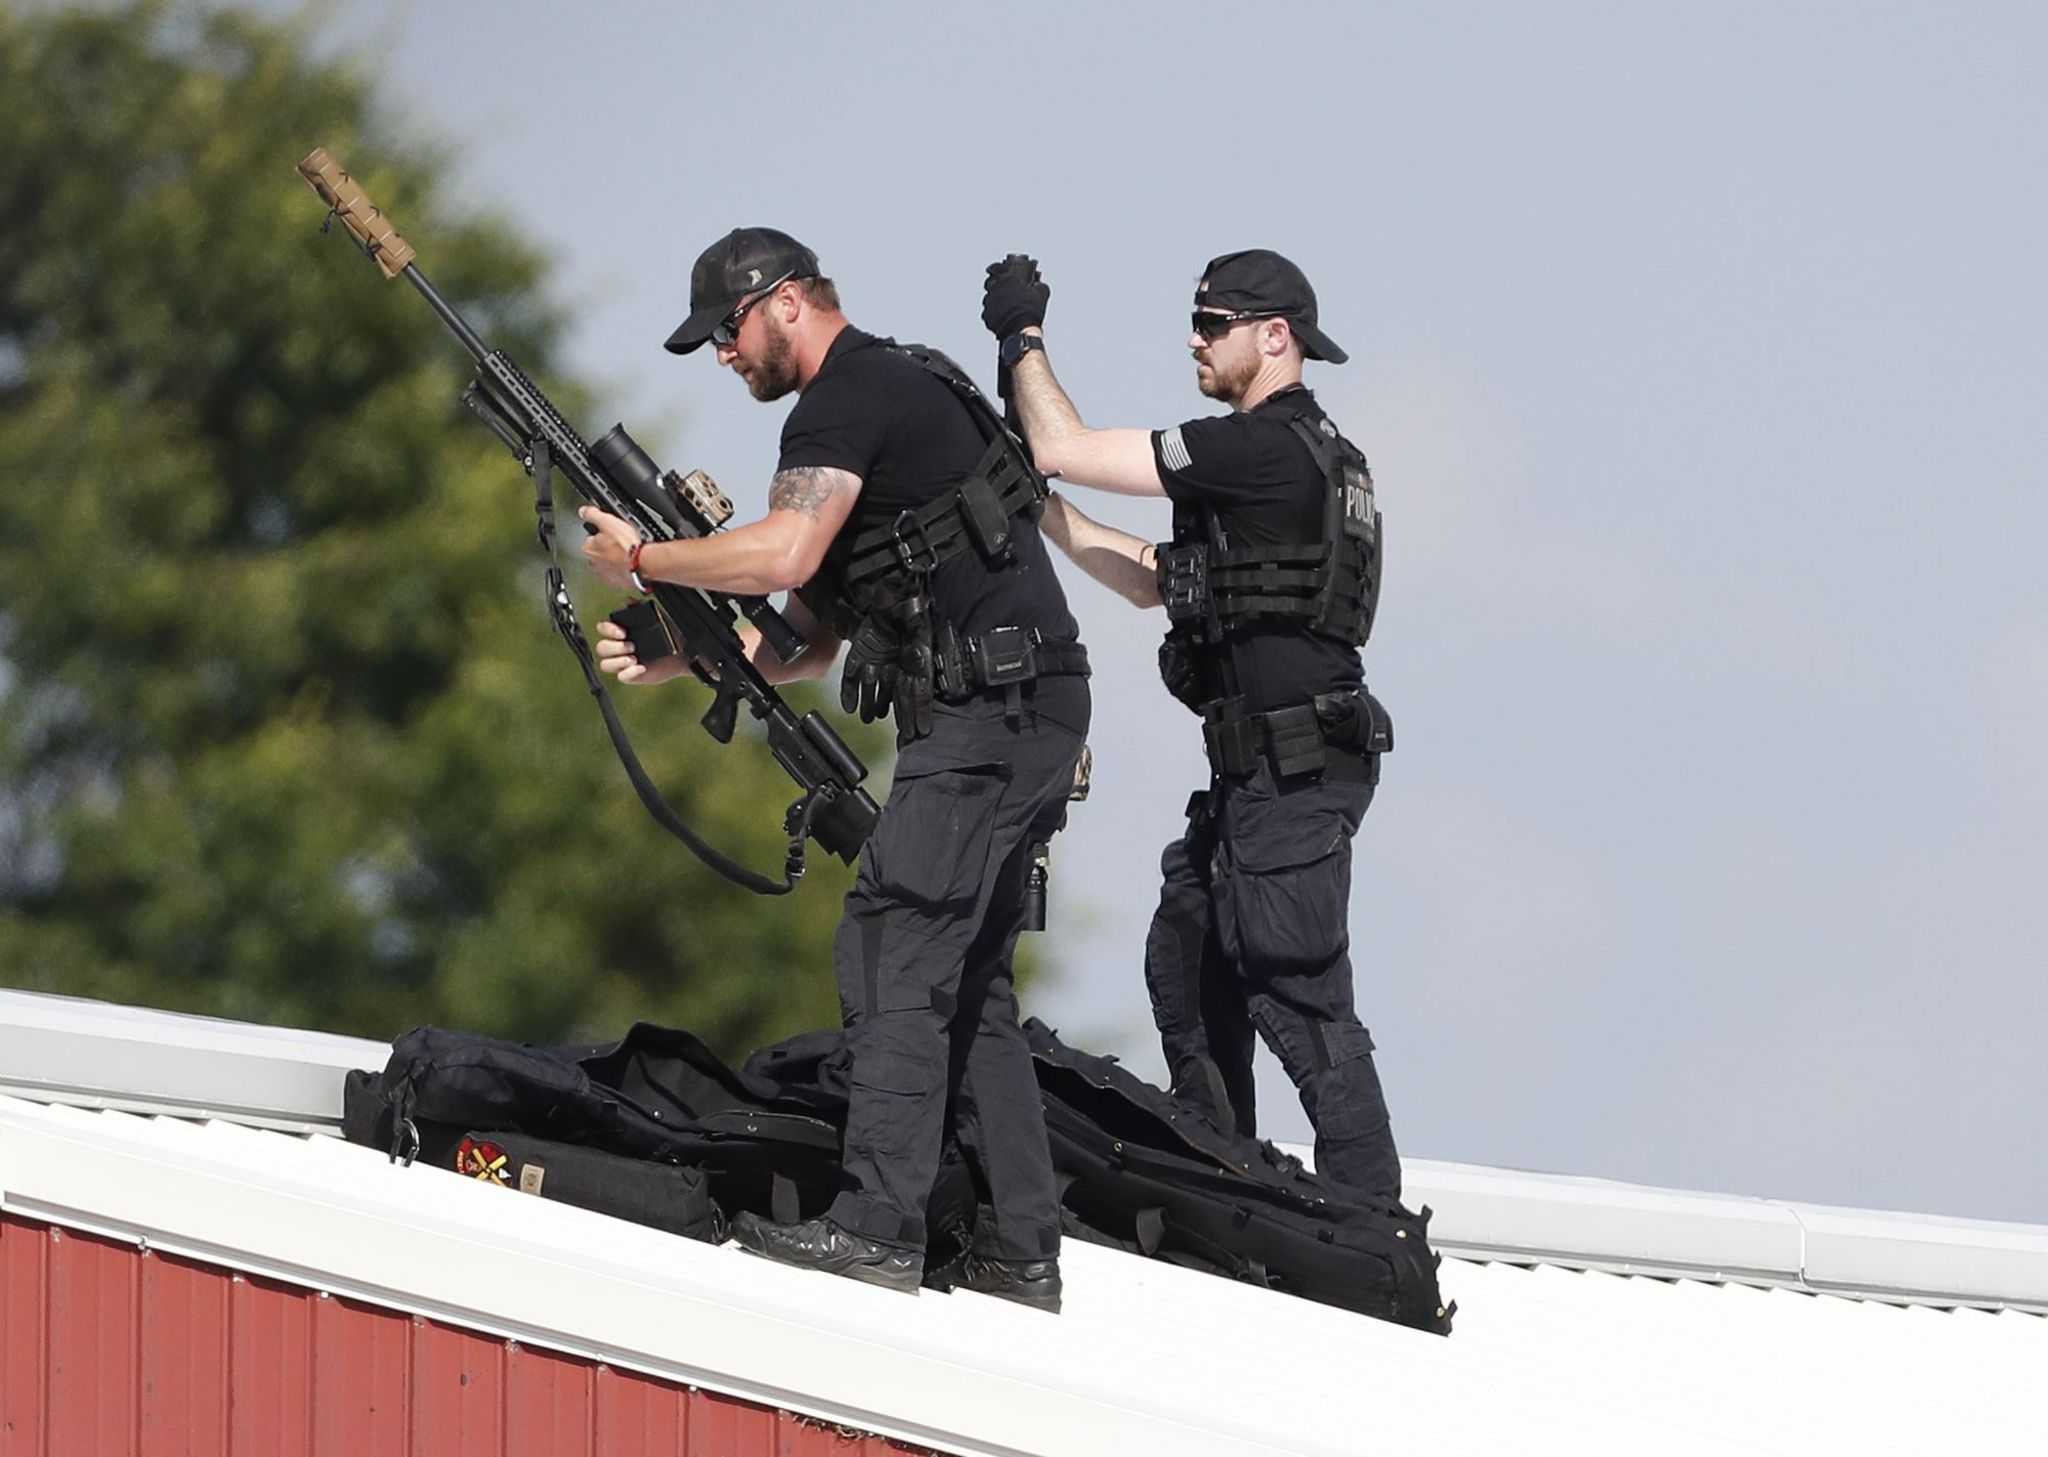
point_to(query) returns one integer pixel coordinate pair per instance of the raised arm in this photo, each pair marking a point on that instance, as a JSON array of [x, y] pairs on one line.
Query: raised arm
[[1121, 562], [1109, 460]]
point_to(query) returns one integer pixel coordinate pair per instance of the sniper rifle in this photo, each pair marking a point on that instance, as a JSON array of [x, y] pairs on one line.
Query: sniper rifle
[[617, 476]]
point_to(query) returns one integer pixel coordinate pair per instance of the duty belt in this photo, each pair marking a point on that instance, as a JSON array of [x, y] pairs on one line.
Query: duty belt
[[1003, 657], [1297, 740]]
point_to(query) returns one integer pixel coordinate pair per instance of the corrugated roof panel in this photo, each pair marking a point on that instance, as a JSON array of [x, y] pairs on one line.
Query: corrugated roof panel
[[636, 1417], [458, 1392], [183, 1315], [24, 1287], [732, 1426], [358, 1408], [92, 1372], [271, 1365], [548, 1403]]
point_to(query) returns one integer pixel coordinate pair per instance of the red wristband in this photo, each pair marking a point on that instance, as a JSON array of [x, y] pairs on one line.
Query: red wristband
[[633, 568]]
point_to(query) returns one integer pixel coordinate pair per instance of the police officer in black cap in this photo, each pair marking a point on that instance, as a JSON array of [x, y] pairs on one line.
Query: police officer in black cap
[[1269, 584], [902, 513]]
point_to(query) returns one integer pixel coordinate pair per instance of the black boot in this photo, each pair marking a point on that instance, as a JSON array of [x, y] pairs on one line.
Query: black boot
[[1035, 1283], [819, 1244]]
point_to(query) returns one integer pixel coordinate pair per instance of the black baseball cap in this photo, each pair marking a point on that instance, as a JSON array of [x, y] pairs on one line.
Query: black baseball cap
[[744, 260], [1258, 280]]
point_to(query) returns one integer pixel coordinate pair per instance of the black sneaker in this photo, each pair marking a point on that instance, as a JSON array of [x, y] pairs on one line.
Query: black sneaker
[[819, 1244], [1035, 1283]]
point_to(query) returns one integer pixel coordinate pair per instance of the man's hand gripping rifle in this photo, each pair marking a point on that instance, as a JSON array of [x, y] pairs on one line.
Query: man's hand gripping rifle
[[616, 475]]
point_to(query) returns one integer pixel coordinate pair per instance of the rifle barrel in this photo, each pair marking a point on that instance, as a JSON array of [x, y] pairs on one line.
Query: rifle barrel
[[446, 310]]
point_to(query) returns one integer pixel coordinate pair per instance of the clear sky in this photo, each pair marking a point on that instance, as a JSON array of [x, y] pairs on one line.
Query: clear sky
[[1693, 347]]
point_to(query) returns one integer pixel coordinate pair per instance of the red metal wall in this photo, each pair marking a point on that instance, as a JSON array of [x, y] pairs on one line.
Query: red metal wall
[[109, 1351]]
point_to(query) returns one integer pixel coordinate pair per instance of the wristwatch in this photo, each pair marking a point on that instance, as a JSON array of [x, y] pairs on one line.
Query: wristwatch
[[1016, 347]]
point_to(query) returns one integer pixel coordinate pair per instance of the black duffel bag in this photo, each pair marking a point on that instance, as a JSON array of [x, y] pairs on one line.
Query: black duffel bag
[[1143, 1172], [1137, 1169], [767, 1144]]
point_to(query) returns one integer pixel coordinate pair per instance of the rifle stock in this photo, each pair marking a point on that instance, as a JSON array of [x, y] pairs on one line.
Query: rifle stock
[[619, 477]]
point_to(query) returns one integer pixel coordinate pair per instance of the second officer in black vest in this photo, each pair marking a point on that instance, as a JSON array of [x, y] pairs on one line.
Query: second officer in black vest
[[903, 513], [1269, 584]]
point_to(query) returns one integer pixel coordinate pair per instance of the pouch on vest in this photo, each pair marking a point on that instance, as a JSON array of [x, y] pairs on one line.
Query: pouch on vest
[[1183, 574], [988, 524]]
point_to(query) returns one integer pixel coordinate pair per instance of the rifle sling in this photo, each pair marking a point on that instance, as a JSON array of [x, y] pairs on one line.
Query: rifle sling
[[563, 613]]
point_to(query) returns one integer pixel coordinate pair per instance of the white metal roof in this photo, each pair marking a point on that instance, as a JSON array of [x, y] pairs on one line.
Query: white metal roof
[[1544, 1358]]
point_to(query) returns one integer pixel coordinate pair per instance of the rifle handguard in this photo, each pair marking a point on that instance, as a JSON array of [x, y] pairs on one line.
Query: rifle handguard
[[365, 222]]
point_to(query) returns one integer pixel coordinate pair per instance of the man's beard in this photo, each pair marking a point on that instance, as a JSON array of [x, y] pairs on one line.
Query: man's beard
[[1228, 386], [775, 375]]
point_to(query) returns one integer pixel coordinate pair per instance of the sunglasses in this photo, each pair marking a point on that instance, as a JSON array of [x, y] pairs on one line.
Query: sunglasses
[[726, 332], [1215, 326]]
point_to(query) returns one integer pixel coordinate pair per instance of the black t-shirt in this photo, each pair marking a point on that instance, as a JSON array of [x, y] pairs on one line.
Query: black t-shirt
[[877, 412], [1262, 483]]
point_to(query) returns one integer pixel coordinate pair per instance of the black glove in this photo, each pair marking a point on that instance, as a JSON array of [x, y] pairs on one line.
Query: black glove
[[1014, 296], [867, 686], [914, 682], [889, 669]]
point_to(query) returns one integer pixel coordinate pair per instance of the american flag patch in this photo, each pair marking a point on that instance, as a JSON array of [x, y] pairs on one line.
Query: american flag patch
[[1173, 451]]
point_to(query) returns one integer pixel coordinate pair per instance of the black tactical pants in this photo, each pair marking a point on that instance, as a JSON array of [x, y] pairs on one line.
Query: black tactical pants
[[1252, 934], [923, 958]]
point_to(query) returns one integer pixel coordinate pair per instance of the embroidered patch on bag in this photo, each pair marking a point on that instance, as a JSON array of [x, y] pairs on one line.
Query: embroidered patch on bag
[[485, 1161]]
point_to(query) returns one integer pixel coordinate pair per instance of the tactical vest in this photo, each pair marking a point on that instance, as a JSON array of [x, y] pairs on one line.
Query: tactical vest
[[1330, 586], [889, 567]]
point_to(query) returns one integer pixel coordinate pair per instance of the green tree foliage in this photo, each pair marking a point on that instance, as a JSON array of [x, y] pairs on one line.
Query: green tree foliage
[[284, 734]]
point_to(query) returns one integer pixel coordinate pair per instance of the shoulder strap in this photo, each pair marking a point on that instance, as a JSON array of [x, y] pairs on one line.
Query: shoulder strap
[[1350, 509], [1003, 485], [941, 365]]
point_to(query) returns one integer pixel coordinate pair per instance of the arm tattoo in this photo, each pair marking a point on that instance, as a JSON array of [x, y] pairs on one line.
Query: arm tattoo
[[805, 488]]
